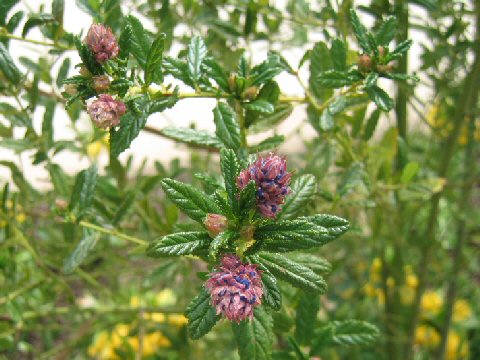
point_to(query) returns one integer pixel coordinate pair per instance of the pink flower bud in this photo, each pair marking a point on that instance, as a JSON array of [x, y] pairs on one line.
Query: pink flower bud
[[105, 111], [102, 42], [272, 179], [235, 288], [100, 83], [215, 224]]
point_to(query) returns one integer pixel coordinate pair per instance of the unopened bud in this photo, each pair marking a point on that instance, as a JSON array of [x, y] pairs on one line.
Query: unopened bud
[[381, 51], [61, 204], [102, 42], [84, 71], [70, 89], [385, 68], [250, 93], [101, 83], [215, 224], [364, 63], [232, 82], [105, 111]]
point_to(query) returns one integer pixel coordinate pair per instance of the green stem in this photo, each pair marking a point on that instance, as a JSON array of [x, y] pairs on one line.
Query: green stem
[[462, 234], [401, 11], [36, 42], [466, 103], [113, 233]]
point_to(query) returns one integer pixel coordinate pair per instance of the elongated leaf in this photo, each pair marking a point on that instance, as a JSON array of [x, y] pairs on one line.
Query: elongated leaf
[[302, 190], [87, 57], [178, 244], [189, 199], [269, 121], [221, 241], [306, 317], [386, 31], [230, 170], [139, 41], [350, 332], [197, 51], [383, 101], [83, 191], [266, 71], [37, 20], [178, 69], [318, 264], [248, 198], [153, 67], [272, 296], [84, 247], [334, 79], [288, 270], [47, 124], [320, 61], [213, 69], [254, 338], [227, 128], [371, 124], [124, 42], [268, 144], [360, 31], [8, 67], [261, 106], [5, 7], [130, 126], [163, 103], [194, 137], [333, 225], [63, 72], [352, 178], [201, 315], [339, 55]]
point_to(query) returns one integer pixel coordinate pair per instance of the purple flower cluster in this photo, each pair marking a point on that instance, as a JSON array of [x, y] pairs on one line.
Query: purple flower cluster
[[235, 288], [102, 42], [105, 111], [272, 179]]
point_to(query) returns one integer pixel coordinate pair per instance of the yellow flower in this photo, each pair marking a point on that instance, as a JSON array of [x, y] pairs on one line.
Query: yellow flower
[[166, 297], [135, 301], [380, 296], [153, 341], [134, 343], [369, 290], [411, 280], [21, 218], [427, 336], [102, 347], [156, 317], [177, 320], [431, 303], [461, 310], [94, 149], [456, 348]]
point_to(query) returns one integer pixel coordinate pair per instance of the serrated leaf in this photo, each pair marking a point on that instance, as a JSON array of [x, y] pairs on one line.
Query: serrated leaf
[[360, 32], [333, 225], [153, 67], [272, 295], [320, 62], [371, 124], [261, 106], [227, 129], [213, 69], [130, 126], [178, 69], [8, 67], [254, 338], [383, 101], [268, 144], [201, 315], [220, 241], [197, 51], [125, 205], [303, 189], [88, 59], [400, 49], [353, 332], [37, 20], [189, 199], [163, 103], [193, 137], [339, 55], [178, 244], [266, 71], [306, 317], [334, 79], [230, 170], [326, 121], [318, 264], [86, 244], [296, 274], [124, 41], [63, 72], [139, 41], [83, 191], [47, 124], [248, 197], [386, 31], [268, 121]]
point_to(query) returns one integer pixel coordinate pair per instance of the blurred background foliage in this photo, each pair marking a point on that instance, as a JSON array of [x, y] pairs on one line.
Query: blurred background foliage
[[407, 180]]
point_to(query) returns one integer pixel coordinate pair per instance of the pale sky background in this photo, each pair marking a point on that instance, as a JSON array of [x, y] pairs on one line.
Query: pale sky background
[[184, 113]]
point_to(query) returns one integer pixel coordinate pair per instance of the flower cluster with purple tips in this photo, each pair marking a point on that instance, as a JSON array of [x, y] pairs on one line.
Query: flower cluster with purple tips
[[235, 288], [102, 42], [105, 111], [272, 179]]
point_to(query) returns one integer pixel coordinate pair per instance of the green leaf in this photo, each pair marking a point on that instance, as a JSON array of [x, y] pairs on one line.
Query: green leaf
[[318, 264], [360, 32], [201, 315], [124, 42], [126, 204], [63, 72], [268, 144], [303, 189], [47, 124], [254, 338], [139, 41], [189, 199], [268, 121], [333, 225], [296, 274], [230, 170], [87, 57], [371, 124], [83, 191], [327, 121], [353, 332], [266, 71], [37, 20], [334, 79], [163, 103], [221, 241], [261, 106], [86, 244], [14, 21], [339, 55], [178, 244], [214, 71], [153, 67], [400, 49], [130, 126], [272, 296], [178, 69], [5, 7], [227, 129], [320, 61], [409, 172], [193, 137], [386, 31], [197, 52], [383, 101], [248, 198], [8, 67], [306, 317]]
